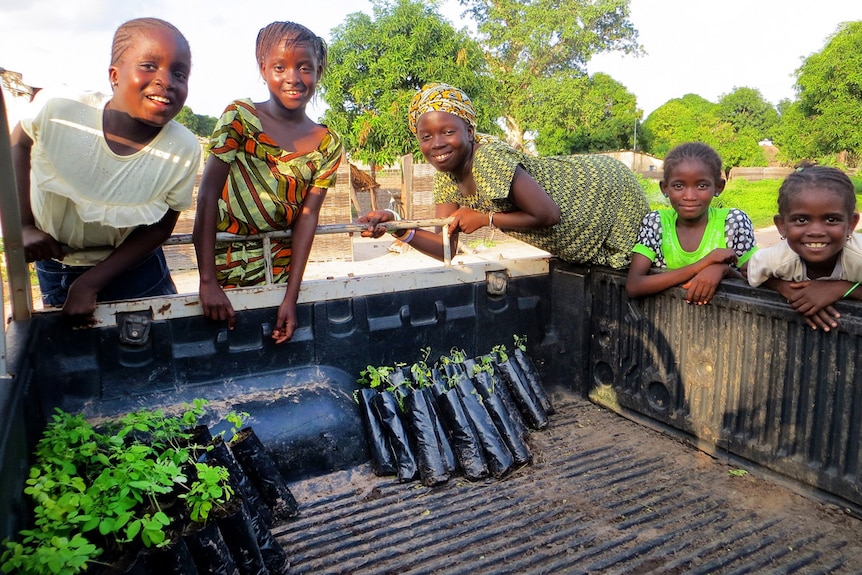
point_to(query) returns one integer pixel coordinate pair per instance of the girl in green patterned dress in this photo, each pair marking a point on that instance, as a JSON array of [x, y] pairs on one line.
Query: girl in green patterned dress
[[270, 168], [582, 209], [693, 244]]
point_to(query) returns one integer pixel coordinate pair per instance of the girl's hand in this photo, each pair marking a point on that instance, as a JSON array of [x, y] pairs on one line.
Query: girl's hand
[[723, 256], [40, 246], [814, 299], [468, 221], [285, 323], [215, 303], [702, 287], [80, 302], [373, 219]]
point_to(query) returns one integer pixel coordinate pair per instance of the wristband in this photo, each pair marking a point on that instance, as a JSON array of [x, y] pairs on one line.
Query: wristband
[[491, 219], [853, 287], [408, 238]]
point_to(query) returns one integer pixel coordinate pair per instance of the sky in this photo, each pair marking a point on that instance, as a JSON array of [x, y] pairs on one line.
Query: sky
[[706, 47]]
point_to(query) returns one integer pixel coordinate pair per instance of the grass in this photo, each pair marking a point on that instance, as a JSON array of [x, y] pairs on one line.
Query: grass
[[758, 199]]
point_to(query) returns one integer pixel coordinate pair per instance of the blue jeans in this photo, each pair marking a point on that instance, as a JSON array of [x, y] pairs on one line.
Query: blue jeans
[[150, 277]]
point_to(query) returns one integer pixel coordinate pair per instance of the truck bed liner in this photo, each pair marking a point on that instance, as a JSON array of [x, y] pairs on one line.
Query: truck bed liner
[[604, 495]]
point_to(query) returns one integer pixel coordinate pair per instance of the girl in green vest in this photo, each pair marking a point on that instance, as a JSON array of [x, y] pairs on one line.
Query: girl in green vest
[[693, 245]]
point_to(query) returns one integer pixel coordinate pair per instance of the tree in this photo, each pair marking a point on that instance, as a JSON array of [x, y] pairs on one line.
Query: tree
[[199, 125], [582, 114], [695, 119], [748, 113], [829, 88], [377, 65], [528, 42]]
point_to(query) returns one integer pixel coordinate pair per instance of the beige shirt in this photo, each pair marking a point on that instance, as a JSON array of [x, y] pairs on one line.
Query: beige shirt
[[83, 194], [779, 261]]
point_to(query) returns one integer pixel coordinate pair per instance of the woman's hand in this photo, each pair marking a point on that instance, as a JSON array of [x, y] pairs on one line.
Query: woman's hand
[[468, 221], [215, 303], [372, 219]]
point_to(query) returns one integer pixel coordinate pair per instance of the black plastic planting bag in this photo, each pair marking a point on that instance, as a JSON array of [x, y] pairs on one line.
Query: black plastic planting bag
[[527, 402], [264, 474], [390, 420], [531, 374], [382, 456], [497, 454], [239, 536], [465, 444], [446, 452], [175, 559], [210, 552], [274, 556], [220, 454], [418, 412], [488, 386]]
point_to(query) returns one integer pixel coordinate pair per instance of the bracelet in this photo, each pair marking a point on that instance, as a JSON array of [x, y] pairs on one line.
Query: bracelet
[[853, 287], [408, 238], [491, 219]]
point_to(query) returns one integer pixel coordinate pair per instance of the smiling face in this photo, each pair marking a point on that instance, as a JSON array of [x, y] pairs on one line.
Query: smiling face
[[690, 187], [816, 225], [445, 140], [291, 72], [150, 80]]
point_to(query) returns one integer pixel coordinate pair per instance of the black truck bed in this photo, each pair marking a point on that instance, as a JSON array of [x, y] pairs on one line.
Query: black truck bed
[[604, 495]]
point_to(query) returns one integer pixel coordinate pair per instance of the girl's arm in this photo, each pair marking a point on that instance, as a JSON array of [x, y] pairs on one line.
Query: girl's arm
[[302, 237], [37, 244], [214, 302], [641, 283], [81, 300], [814, 299]]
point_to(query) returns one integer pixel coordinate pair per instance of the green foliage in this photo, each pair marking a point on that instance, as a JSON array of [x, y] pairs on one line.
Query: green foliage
[[758, 199], [695, 119], [111, 481], [748, 113], [578, 114], [377, 65], [530, 44], [828, 113], [199, 125], [209, 491]]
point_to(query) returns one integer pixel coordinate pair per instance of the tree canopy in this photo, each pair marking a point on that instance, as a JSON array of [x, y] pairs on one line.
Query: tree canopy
[[749, 113], [824, 121], [377, 64], [529, 45], [583, 114], [692, 118], [199, 125]]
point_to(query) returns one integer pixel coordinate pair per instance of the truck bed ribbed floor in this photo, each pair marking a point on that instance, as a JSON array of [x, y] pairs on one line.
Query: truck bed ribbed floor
[[604, 495]]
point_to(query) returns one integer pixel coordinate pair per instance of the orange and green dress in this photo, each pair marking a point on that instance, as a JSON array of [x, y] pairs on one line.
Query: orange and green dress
[[264, 192]]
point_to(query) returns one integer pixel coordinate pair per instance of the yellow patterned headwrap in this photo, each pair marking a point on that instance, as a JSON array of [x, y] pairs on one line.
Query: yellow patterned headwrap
[[438, 97]]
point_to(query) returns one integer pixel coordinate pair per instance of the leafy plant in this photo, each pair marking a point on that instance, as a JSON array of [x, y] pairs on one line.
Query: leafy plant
[[110, 483], [521, 342], [210, 490], [420, 371]]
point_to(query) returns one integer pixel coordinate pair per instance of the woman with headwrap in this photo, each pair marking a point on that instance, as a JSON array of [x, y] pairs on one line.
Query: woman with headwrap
[[582, 209]]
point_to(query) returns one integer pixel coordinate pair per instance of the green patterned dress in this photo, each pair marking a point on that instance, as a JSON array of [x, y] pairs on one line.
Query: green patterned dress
[[264, 192], [601, 202]]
